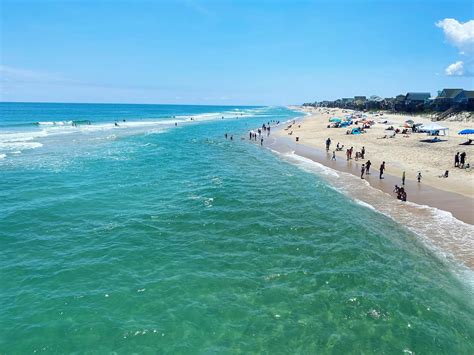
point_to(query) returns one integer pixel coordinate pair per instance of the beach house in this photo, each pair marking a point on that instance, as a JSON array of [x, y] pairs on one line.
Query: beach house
[[465, 100], [416, 101], [399, 103], [446, 99]]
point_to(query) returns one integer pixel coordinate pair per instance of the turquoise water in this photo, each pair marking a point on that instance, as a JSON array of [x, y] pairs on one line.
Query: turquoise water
[[156, 238]]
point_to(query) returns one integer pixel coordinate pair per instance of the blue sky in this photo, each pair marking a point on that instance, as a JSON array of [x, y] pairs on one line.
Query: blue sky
[[231, 52]]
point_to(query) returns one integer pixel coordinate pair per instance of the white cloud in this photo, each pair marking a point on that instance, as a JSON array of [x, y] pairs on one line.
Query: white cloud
[[460, 35], [455, 69], [458, 69]]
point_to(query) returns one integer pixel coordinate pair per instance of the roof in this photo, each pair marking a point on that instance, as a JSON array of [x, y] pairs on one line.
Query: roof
[[418, 96], [375, 98], [469, 94], [449, 93]]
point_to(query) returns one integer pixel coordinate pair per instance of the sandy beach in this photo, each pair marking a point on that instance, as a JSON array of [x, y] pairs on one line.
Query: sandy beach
[[402, 153]]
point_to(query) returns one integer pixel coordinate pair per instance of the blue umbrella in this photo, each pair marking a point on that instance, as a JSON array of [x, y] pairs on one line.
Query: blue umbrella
[[467, 131]]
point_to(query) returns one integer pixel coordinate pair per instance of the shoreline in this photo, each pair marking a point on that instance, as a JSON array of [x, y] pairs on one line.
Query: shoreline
[[408, 153], [458, 205], [454, 195], [442, 219]]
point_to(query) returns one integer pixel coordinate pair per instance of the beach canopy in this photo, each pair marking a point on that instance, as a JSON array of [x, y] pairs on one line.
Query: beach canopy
[[466, 131], [335, 119], [433, 128]]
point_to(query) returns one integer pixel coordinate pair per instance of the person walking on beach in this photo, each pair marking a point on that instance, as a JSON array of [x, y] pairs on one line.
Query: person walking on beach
[[328, 144], [333, 155], [456, 160], [418, 177], [403, 179], [350, 152], [347, 154], [362, 153], [462, 160], [382, 169], [367, 167], [362, 171]]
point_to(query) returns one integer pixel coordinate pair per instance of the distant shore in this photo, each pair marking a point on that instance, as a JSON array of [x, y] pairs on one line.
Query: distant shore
[[454, 194]]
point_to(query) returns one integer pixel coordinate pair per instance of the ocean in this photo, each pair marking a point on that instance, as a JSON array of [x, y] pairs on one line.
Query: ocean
[[158, 235]]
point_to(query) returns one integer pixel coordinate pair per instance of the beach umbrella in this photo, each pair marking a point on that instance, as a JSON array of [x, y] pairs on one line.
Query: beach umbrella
[[466, 131], [335, 119], [410, 122]]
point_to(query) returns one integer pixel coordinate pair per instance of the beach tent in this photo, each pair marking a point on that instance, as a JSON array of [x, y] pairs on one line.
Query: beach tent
[[466, 131], [433, 128], [335, 119], [355, 130]]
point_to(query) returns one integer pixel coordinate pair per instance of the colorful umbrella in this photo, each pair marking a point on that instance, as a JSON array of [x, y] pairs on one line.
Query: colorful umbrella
[[466, 131]]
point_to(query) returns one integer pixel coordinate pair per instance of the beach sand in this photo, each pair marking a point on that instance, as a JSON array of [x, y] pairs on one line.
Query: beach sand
[[400, 154]]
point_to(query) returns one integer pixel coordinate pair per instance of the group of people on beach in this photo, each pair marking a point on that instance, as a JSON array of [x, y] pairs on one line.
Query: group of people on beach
[[460, 160], [400, 192], [365, 168]]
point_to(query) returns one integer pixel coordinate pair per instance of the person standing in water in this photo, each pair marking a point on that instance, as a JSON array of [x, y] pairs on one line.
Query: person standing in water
[[382, 169], [362, 171], [261, 141], [367, 167], [403, 179], [333, 155], [225, 135]]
